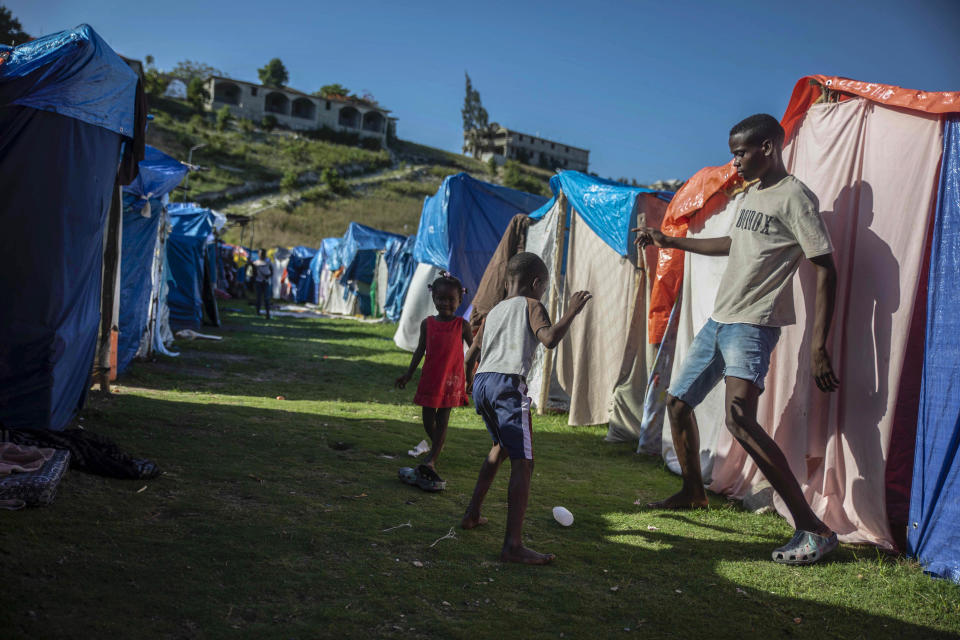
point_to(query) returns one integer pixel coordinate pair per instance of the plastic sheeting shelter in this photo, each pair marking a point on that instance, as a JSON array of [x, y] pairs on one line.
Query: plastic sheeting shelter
[[188, 275], [601, 364], [935, 500], [358, 248], [461, 225], [324, 262], [358, 259], [872, 161], [400, 267], [460, 228], [66, 103], [143, 216], [300, 275]]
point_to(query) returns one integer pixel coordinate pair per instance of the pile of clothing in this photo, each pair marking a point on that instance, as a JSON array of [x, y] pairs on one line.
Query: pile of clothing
[[32, 462]]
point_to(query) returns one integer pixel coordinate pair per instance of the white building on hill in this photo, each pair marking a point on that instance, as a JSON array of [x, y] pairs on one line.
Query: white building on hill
[[296, 109], [504, 144]]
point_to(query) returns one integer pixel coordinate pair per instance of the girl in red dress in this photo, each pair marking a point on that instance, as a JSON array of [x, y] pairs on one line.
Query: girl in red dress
[[443, 381]]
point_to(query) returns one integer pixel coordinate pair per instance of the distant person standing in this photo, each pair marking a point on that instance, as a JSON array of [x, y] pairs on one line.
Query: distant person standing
[[262, 278]]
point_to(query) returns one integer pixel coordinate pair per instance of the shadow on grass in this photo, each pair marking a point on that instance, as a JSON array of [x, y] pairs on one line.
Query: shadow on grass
[[322, 490]]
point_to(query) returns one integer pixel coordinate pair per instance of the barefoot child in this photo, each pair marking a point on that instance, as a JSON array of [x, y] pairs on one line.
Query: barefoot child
[[442, 385], [508, 339]]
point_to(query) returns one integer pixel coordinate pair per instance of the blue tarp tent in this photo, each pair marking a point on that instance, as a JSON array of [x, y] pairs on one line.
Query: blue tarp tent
[[358, 257], [299, 274], [142, 216], [934, 532], [186, 262], [329, 252], [358, 251], [66, 103], [461, 225], [327, 255], [400, 266], [606, 206]]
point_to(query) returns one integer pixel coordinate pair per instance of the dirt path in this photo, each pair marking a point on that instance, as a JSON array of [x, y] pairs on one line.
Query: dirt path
[[254, 204]]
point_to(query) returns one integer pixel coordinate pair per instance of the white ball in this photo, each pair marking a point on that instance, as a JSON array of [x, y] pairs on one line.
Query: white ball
[[563, 516]]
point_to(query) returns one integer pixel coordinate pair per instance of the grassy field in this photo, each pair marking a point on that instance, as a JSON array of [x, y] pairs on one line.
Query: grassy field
[[283, 518], [394, 207]]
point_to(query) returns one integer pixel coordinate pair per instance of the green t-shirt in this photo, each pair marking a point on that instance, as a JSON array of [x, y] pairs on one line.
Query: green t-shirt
[[772, 230]]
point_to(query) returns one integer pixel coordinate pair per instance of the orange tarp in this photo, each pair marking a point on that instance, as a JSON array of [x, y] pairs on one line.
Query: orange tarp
[[712, 182]]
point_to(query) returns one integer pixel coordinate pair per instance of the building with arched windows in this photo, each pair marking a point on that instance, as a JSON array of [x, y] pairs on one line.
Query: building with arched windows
[[297, 110], [504, 144]]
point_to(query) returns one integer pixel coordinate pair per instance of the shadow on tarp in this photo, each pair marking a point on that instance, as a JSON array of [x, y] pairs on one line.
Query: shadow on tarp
[[214, 443]]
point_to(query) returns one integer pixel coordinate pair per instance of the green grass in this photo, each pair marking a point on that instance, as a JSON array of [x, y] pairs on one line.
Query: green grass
[[271, 520], [310, 222], [234, 157]]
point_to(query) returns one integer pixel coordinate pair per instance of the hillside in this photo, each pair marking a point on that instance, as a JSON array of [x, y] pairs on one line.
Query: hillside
[[295, 190]]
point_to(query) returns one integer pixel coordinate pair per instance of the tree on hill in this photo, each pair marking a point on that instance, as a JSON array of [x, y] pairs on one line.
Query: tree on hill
[[11, 31], [197, 94], [335, 90], [274, 74], [475, 120], [187, 70], [154, 82]]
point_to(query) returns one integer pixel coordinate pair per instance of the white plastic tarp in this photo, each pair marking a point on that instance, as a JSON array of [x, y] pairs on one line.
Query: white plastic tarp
[[417, 306]]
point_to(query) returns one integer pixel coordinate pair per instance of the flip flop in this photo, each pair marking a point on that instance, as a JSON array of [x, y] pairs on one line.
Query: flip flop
[[805, 548], [428, 480], [407, 475]]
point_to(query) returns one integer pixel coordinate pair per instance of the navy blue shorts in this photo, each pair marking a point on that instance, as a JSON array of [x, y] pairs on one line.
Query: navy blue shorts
[[502, 401]]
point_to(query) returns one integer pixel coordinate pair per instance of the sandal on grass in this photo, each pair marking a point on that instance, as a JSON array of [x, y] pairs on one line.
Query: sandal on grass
[[428, 480], [407, 475], [805, 548]]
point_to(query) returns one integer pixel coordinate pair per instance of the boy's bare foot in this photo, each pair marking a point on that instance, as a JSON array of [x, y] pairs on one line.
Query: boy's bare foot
[[680, 501], [525, 556], [471, 522]]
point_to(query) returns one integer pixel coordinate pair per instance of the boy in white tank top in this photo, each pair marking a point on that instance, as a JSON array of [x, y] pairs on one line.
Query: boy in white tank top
[[508, 339]]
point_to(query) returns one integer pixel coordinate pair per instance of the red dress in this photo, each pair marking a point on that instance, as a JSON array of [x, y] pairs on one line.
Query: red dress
[[442, 383]]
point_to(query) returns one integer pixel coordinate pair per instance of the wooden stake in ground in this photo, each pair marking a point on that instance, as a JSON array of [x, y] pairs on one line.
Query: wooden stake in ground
[[109, 292], [546, 377]]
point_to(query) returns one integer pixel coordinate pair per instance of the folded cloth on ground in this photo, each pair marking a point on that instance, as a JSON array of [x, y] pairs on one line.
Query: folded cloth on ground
[[15, 458], [90, 452], [36, 487]]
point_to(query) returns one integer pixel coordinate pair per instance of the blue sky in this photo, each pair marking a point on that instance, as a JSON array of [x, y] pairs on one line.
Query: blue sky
[[651, 88]]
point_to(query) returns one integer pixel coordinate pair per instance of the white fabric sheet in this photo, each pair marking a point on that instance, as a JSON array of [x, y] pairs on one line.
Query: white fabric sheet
[[542, 240], [700, 283], [590, 358]]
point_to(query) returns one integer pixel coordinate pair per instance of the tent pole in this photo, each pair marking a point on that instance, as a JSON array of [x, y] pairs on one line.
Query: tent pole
[[109, 292], [546, 377], [643, 294], [158, 251]]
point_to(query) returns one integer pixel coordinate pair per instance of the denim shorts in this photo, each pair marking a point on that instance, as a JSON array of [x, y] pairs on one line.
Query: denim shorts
[[720, 350]]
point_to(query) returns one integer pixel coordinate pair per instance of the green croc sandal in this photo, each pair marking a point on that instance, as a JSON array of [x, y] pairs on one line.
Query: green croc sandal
[[428, 480], [407, 475], [805, 548]]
